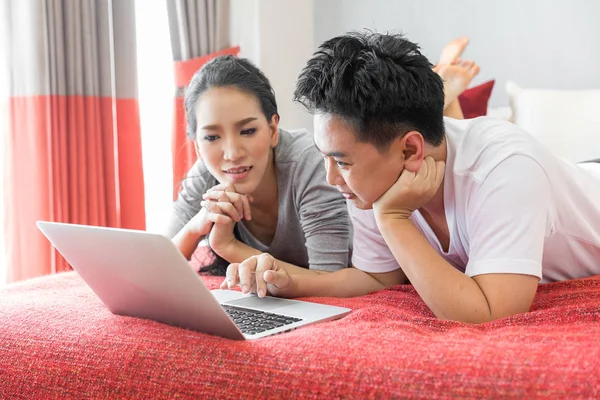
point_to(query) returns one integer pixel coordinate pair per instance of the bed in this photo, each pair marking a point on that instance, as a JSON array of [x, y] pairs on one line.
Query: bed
[[58, 341]]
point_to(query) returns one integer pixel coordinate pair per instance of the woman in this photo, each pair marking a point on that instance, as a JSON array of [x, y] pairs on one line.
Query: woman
[[255, 188]]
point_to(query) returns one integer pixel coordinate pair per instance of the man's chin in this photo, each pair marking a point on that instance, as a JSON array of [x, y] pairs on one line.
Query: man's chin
[[362, 205]]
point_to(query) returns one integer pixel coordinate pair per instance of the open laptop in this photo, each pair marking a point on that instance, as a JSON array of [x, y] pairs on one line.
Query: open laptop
[[141, 274]]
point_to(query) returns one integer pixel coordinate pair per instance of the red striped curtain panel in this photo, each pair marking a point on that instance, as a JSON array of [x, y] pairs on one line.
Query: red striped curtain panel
[[73, 144], [199, 31]]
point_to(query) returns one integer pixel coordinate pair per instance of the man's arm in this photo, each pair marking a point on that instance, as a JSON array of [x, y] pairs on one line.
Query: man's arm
[[283, 281], [449, 293], [236, 252], [348, 282], [507, 222]]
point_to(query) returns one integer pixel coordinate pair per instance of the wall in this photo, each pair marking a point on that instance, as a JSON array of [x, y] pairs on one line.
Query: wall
[[277, 35], [536, 43]]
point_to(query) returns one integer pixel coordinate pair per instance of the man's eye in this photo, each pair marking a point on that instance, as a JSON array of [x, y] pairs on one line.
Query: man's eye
[[341, 163]]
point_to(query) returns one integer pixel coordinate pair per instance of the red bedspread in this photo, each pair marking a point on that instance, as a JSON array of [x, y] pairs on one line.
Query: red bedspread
[[58, 341]]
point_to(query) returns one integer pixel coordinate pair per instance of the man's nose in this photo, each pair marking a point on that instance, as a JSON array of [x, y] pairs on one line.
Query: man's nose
[[333, 177]]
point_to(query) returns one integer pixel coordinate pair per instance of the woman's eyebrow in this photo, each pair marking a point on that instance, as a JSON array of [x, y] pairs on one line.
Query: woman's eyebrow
[[214, 127], [245, 121], [210, 127]]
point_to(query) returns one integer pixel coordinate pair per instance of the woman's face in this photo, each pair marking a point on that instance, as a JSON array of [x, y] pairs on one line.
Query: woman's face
[[234, 139]]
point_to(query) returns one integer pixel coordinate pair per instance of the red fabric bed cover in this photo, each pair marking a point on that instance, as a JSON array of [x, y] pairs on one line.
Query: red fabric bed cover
[[57, 341]]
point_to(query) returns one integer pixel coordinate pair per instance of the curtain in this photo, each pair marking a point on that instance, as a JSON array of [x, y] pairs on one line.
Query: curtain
[[199, 31], [73, 144]]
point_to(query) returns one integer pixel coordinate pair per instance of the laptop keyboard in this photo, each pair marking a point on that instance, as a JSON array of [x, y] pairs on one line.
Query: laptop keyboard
[[252, 322]]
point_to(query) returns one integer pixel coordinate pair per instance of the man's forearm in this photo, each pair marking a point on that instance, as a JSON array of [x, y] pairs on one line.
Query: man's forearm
[[449, 293], [347, 282], [238, 252]]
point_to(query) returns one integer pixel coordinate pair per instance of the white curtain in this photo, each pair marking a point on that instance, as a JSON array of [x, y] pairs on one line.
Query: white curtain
[[155, 90], [3, 128]]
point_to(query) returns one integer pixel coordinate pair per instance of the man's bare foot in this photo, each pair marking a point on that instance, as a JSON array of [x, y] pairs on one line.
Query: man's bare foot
[[456, 77], [453, 50]]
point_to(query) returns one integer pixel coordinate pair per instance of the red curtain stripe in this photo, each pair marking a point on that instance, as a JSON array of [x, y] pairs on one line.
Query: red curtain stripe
[[73, 139], [63, 168]]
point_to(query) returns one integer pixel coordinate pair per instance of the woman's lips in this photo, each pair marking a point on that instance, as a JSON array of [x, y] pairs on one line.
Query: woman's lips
[[238, 173]]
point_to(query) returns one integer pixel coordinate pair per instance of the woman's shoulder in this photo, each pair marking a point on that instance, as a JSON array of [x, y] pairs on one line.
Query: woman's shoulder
[[301, 165], [296, 146], [198, 179]]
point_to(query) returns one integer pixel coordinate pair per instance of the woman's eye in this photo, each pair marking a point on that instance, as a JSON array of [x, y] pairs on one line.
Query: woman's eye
[[211, 138], [341, 163], [248, 131]]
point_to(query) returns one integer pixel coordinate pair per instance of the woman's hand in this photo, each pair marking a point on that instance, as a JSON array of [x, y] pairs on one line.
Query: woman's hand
[[222, 200], [236, 205], [202, 223]]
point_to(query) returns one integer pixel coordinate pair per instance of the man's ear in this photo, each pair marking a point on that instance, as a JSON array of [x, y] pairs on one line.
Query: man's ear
[[274, 128], [413, 150]]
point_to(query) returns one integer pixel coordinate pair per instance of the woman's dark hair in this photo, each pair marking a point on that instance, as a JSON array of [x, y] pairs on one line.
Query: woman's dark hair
[[216, 265], [228, 71], [380, 84], [245, 76]]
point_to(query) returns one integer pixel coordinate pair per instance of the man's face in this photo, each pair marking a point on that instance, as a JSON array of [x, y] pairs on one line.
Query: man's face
[[359, 170]]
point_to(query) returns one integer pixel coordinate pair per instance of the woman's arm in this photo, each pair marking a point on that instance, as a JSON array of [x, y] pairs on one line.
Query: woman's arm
[[197, 181], [187, 224], [187, 240], [323, 214]]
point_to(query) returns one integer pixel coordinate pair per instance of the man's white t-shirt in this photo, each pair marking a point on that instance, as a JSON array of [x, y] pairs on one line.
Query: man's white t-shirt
[[511, 207]]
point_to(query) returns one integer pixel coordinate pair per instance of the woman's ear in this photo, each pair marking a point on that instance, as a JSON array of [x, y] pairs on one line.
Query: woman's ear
[[413, 150], [274, 128], [197, 150]]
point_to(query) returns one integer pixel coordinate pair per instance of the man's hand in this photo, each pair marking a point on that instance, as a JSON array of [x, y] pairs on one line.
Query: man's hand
[[411, 191], [258, 274]]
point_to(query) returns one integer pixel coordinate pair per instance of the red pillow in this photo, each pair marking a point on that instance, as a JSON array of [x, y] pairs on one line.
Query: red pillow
[[474, 101]]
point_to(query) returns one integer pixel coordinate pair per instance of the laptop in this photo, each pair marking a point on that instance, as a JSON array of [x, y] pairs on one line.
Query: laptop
[[142, 274]]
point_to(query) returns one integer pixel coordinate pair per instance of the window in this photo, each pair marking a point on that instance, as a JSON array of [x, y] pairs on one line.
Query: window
[[156, 89], [3, 131]]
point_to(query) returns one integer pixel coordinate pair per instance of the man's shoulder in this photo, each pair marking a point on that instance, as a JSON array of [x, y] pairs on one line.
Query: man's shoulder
[[478, 146], [484, 131]]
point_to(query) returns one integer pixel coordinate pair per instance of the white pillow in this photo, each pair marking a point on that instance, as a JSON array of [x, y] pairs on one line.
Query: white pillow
[[566, 121], [503, 112]]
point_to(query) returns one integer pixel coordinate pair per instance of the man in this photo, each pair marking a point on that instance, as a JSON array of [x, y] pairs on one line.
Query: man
[[474, 213]]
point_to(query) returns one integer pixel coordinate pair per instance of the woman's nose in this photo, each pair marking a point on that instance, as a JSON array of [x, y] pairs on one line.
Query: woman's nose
[[233, 150]]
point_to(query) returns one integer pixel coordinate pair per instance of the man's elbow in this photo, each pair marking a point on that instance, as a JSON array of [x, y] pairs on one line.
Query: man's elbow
[[483, 315]]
